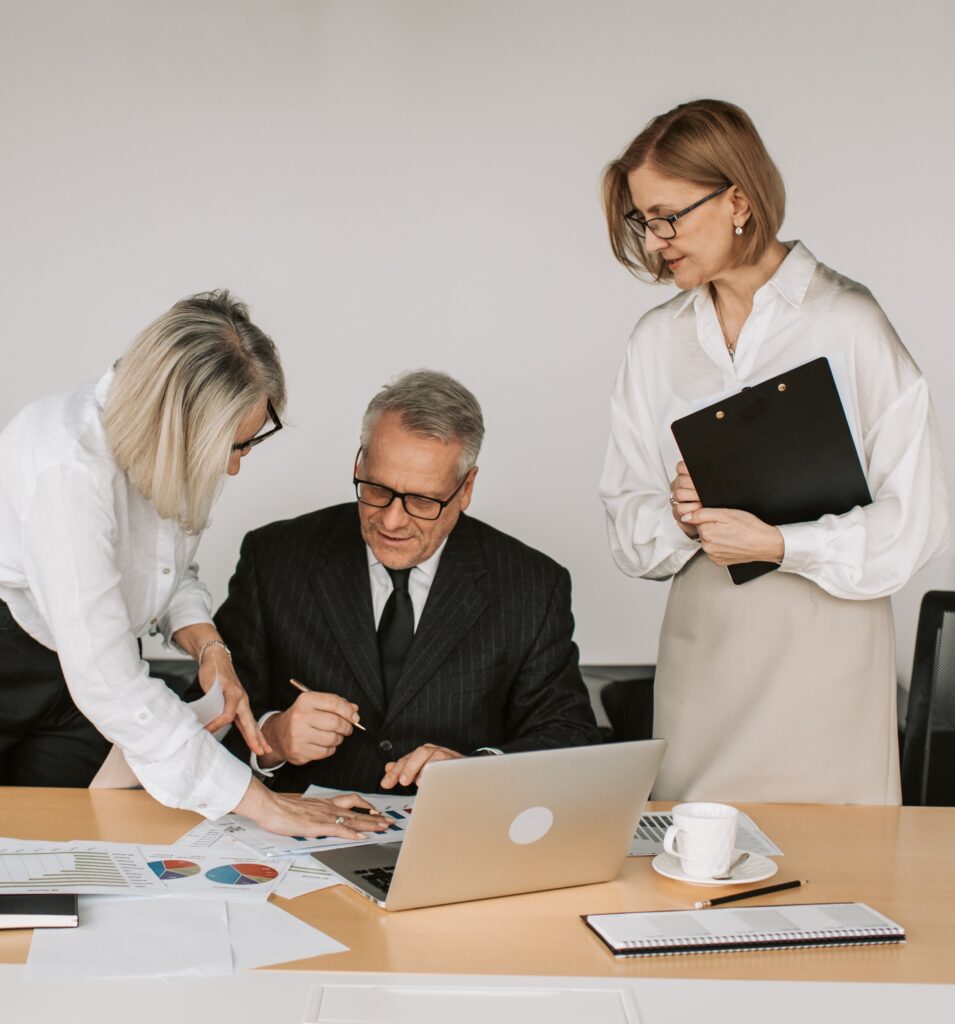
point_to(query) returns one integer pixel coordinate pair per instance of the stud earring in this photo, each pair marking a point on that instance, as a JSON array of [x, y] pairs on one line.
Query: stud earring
[[738, 230]]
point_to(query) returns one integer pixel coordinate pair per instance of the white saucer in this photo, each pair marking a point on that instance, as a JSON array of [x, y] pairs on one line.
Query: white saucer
[[755, 868]]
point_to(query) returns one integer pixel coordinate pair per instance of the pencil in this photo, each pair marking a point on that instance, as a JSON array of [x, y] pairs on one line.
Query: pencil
[[304, 689], [700, 904]]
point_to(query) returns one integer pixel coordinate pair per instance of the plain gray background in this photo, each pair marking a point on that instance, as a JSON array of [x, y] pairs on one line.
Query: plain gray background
[[401, 183]]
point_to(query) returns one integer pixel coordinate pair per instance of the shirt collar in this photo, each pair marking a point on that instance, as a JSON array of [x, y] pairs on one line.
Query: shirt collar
[[793, 275], [429, 566], [102, 386], [791, 280]]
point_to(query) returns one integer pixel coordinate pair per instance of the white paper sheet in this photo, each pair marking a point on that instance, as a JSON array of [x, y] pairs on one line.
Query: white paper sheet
[[133, 938], [30, 866], [200, 874], [305, 875], [235, 828], [262, 934], [115, 773]]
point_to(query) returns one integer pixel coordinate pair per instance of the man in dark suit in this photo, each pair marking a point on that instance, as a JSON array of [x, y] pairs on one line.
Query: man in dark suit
[[440, 635]]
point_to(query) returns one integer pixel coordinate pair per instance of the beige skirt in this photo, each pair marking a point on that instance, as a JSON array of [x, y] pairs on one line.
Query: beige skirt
[[775, 691]]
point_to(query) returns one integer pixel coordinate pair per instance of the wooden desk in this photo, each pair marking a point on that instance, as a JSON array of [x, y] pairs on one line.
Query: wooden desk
[[896, 859]]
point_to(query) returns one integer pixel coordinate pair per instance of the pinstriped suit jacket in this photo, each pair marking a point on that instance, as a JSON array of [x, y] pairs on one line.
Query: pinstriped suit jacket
[[492, 663]]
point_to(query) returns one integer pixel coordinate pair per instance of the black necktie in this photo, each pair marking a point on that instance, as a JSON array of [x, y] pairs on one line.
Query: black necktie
[[395, 630]]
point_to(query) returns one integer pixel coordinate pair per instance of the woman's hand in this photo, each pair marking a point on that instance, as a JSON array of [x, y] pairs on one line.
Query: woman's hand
[[729, 536], [202, 640], [684, 499], [300, 816], [216, 664]]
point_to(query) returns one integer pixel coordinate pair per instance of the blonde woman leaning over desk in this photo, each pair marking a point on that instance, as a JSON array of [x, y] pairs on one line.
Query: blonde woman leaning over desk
[[104, 493], [782, 689]]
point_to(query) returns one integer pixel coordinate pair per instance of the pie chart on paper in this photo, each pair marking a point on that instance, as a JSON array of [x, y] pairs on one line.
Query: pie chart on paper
[[241, 874], [167, 869]]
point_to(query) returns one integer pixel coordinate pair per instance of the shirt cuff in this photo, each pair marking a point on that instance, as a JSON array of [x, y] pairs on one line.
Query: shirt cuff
[[254, 761], [800, 547]]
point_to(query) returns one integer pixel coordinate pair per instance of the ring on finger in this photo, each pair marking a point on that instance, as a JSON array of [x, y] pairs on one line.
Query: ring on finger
[[673, 500], [341, 819]]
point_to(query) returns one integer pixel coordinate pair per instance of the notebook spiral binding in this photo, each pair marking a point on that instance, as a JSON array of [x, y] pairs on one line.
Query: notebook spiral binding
[[776, 940]]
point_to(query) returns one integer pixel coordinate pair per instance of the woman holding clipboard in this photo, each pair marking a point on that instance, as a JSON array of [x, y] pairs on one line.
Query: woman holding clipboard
[[781, 689]]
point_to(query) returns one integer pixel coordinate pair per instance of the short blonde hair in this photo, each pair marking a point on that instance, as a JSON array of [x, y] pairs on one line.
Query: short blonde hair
[[707, 142], [178, 397]]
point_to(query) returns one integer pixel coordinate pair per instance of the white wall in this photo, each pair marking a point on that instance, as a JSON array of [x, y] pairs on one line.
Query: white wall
[[405, 183]]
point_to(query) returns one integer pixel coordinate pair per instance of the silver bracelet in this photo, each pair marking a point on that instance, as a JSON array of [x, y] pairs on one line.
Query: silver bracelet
[[212, 643]]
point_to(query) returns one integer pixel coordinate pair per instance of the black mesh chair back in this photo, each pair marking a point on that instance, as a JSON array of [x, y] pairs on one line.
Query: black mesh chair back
[[928, 751]]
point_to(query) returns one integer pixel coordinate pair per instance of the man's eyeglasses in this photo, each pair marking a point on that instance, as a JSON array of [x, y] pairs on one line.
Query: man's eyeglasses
[[244, 446], [665, 227], [418, 505]]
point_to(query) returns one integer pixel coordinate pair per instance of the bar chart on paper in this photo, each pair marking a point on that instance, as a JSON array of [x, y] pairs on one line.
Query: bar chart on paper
[[33, 869]]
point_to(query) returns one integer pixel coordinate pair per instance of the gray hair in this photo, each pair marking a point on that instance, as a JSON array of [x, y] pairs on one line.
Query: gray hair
[[431, 404], [178, 397]]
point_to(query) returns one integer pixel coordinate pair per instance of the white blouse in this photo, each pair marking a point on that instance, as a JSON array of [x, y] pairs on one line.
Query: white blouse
[[677, 362], [86, 566]]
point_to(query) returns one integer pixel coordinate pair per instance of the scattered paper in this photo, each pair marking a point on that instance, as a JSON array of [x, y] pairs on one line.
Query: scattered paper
[[199, 874], [648, 839], [235, 828], [135, 938], [262, 934], [28, 866], [115, 773], [305, 875]]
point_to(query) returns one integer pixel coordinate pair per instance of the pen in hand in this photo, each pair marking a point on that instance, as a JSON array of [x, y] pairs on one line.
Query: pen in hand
[[302, 688]]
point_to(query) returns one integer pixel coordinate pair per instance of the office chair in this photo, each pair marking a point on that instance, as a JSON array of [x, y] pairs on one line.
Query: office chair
[[928, 751], [627, 699]]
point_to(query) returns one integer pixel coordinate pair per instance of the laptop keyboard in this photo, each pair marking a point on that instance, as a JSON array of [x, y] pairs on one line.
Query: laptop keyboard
[[380, 878]]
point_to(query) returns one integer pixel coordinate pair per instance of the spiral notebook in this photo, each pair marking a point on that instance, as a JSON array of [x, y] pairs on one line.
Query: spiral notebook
[[738, 929]]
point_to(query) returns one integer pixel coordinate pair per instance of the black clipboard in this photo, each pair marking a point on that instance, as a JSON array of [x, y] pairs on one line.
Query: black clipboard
[[781, 450]]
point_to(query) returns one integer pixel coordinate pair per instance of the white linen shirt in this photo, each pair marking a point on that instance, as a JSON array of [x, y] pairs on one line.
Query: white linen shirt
[[677, 362], [87, 565]]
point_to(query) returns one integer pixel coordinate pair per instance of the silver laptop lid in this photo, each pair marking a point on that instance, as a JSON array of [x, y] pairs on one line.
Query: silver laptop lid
[[494, 826]]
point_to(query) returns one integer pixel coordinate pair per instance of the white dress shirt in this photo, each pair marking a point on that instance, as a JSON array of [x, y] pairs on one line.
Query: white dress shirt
[[677, 362], [419, 583], [86, 567]]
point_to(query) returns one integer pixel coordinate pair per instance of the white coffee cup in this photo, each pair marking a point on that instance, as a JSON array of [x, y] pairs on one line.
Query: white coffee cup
[[703, 836]]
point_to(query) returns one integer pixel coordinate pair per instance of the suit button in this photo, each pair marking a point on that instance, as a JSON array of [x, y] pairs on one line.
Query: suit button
[[385, 746]]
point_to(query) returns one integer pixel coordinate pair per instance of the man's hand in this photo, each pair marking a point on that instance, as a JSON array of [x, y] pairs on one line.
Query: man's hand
[[731, 537], [408, 769], [310, 730], [684, 499]]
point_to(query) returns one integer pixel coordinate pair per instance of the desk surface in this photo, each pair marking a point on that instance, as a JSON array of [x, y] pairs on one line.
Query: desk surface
[[896, 859]]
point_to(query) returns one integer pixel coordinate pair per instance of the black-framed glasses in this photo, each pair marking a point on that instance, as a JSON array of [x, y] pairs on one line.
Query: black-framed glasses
[[665, 227], [244, 446], [421, 506]]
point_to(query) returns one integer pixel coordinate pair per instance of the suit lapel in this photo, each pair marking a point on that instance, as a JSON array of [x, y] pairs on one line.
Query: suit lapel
[[454, 604], [341, 585]]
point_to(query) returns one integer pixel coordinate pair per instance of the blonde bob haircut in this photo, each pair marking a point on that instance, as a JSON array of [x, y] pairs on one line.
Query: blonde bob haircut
[[178, 397], [709, 143]]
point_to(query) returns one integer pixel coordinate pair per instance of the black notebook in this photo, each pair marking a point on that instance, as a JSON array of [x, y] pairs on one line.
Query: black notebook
[[43, 910], [781, 450], [735, 930]]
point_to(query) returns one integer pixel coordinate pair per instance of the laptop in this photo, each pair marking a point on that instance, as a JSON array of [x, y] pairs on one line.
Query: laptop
[[516, 823]]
